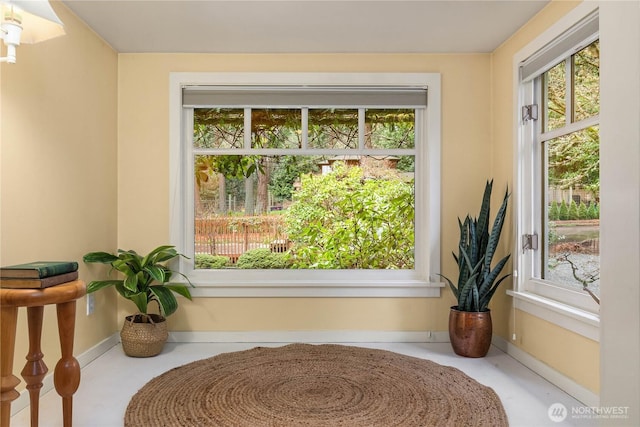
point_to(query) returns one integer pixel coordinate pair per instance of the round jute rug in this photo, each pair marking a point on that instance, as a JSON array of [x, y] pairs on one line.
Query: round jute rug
[[314, 385]]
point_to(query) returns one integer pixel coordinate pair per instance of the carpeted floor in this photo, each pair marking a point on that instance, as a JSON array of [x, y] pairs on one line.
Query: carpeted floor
[[314, 385]]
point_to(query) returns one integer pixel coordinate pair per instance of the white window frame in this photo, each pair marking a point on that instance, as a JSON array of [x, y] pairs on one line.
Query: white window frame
[[420, 282], [569, 309]]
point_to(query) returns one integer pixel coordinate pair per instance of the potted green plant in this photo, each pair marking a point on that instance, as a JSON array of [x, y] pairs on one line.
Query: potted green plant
[[146, 279], [470, 326]]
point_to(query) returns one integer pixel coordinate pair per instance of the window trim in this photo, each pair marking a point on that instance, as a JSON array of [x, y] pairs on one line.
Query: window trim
[[569, 309], [306, 283]]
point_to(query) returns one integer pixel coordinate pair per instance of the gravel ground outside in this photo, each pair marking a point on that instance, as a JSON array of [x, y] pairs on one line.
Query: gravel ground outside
[[560, 271]]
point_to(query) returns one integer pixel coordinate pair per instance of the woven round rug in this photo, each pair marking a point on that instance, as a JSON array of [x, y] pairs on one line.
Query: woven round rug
[[314, 385]]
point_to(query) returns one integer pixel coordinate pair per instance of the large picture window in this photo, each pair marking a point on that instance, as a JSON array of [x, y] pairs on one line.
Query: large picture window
[[320, 185]]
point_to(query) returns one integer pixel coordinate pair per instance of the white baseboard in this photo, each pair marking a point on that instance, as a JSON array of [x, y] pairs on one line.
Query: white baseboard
[[83, 359], [310, 336], [579, 392]]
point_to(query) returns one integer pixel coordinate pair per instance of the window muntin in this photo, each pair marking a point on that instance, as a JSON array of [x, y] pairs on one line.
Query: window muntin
[[251, 190]]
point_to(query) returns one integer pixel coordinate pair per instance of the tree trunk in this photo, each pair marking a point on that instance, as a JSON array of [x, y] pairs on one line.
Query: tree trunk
[[263, 187], [249, 205], [222, 194]]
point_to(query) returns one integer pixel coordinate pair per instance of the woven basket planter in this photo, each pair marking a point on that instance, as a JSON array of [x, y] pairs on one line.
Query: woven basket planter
[[143, 339]]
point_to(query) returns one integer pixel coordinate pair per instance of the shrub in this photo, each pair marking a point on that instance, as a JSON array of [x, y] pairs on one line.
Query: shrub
[[564, 211], [342, 220], [262, 258], [554, 211], [582, 211], [207, 261], [573, 210]]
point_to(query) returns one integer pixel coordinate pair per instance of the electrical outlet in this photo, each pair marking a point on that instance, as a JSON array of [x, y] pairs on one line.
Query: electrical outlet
[[91, 304]]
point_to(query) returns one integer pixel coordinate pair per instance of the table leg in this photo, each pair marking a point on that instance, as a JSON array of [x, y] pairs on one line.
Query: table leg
[[8, 381], [35, 368], [66, 376]]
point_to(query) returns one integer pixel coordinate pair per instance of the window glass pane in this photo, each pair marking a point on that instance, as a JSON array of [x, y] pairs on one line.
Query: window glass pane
[[587, 82], [572, 238], [303, 212], [333, 128], [390, 128], [218, 128], [555, 89], [276, 128]]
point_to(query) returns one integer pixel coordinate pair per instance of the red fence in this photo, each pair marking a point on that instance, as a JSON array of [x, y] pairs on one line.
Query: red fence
[[233, 236]]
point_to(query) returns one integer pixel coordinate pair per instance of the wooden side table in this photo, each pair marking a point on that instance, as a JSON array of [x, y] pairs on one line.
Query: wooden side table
[[66, 376]]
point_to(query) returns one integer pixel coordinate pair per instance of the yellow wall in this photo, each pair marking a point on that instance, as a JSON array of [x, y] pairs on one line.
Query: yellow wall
[[143, 147], [576, 357], [58, 167], [570, 354]]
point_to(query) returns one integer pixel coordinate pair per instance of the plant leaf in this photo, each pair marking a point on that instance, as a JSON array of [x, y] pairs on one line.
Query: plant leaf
[[101, 257], [451, 285], [179, 289], [485, 301], [483, 216], [496, 230], [487, 281], [165, 299], [131, 282], [96, 285], [156, 272], [140, 300]]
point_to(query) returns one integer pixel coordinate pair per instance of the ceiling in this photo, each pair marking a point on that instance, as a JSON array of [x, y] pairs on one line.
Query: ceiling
[[305, 26]]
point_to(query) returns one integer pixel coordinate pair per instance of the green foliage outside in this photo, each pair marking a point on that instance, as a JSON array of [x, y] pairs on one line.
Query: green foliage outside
[[341, 220], [574, 158], [337, 221], [286, 171], [573, 211], [208, 261], [263, 258]]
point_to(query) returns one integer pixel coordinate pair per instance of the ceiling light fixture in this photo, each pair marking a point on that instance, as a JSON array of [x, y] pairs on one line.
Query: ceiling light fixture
[[29, 21]]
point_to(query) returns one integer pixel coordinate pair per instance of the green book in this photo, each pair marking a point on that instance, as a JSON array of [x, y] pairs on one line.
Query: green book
[[38, 269]]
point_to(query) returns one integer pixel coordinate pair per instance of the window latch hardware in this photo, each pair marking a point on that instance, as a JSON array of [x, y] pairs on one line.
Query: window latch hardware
[[529, 112], [529, 242]]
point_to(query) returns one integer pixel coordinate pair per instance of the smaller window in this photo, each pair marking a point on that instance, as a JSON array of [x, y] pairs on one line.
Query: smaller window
[[561, 172]]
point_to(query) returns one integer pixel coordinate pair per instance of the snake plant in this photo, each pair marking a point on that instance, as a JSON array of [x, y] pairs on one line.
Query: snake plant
[[476, 278], [145, 278]]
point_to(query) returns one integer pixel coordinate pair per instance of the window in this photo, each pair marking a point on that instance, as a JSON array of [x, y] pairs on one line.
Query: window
[[314, 188], [558, 173]]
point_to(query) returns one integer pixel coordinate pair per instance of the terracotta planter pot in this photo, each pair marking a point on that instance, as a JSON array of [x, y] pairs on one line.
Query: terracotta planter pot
[[143, 339], [470, 332]]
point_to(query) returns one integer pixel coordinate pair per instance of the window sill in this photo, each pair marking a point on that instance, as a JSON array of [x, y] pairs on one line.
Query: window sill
[[333, 289], [576, 320]]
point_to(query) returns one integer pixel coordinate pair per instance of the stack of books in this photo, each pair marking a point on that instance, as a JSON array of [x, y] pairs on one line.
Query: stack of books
[[38, 275]]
